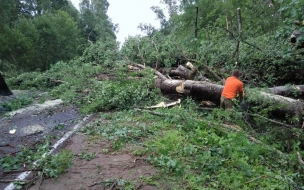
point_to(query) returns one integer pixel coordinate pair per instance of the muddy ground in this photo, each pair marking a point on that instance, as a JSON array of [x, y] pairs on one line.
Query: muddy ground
[[107, 170], [31, 125], [116, 170]]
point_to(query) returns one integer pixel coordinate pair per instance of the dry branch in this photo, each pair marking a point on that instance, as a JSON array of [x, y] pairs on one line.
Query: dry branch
[[300, 158], [164, 105]]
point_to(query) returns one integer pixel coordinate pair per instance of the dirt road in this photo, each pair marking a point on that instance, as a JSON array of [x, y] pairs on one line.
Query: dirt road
[[106, 170]]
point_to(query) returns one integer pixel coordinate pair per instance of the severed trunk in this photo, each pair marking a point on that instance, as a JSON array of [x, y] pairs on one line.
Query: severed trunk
[[289, 91], [183, 72], [199, 90], [4, 90], [202, 90]]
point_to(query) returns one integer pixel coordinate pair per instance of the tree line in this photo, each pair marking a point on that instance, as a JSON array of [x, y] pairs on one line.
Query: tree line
[[34, 34], [252, 36]]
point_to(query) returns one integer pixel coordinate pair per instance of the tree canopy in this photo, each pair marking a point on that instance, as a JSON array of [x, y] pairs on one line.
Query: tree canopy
[[36, 34]]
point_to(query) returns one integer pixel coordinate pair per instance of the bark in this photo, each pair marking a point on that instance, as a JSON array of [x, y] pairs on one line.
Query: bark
[[4, 90], [183, 72], [236, 54], [289, 91], [206, 91], [199, 90], [196, 28]]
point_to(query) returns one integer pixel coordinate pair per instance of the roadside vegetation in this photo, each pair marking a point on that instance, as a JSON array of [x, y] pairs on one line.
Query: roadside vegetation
[[192, 148]]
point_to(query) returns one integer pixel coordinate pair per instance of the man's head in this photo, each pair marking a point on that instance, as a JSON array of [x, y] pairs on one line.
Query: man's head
[[236, 73]]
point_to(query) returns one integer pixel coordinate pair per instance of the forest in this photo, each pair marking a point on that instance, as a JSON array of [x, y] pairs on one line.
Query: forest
[[50, 46]]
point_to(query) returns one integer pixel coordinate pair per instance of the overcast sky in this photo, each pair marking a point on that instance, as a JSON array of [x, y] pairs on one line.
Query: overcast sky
[[129, 14]]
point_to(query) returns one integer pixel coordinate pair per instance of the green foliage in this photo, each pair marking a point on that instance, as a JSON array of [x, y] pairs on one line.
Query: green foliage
[[59, 37], [155, 50], [118, 95], [81, 88], [37, 43], [195, 150], [59, 127], [95, 22], [86, 156], [53, 166], [17, 103], [102, 52], [208, 154], [25, 81], [19, 184], [21, 101], [50, 165], [10, 163], [117, 131]]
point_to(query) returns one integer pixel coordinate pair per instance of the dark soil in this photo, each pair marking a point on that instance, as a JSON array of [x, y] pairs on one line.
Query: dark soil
[[31, 129]]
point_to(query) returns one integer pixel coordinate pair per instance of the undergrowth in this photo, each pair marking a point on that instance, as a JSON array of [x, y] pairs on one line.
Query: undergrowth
[[195, 151], [192, 148], [79, 83]]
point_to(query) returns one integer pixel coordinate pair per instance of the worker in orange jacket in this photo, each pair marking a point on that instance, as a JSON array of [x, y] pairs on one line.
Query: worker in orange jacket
[[233, 87]]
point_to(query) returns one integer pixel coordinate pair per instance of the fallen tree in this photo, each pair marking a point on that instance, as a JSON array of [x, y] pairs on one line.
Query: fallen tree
[[289, 90], [273, 104], [4, 90]]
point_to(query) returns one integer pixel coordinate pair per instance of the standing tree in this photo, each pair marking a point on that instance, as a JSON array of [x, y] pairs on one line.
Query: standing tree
[[95, 22]]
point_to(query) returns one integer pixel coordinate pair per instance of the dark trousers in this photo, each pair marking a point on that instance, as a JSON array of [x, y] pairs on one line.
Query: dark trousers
[[226, 103]]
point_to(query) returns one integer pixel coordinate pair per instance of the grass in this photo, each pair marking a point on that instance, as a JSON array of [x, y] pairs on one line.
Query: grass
[[195, 152]]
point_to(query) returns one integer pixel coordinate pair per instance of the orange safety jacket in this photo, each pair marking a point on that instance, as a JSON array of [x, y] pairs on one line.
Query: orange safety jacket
[[232, 86]]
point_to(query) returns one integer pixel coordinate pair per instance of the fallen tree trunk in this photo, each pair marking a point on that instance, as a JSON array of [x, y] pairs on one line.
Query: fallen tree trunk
[[183, 72], [200, 90], [289, 91], [4, 90], [203, 90], [276, 105]]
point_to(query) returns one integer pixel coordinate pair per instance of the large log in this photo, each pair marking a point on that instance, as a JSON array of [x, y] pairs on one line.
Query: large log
[[203, 90], [4, 90], [199, 90], [289, 91], [183, 72], [206, 91]]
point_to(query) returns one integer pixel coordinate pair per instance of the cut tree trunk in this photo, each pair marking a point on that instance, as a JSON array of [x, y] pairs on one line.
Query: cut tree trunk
[[199, 90], [273, 103], [183, 72], [203, 90], [289, 91], [4, 90]]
